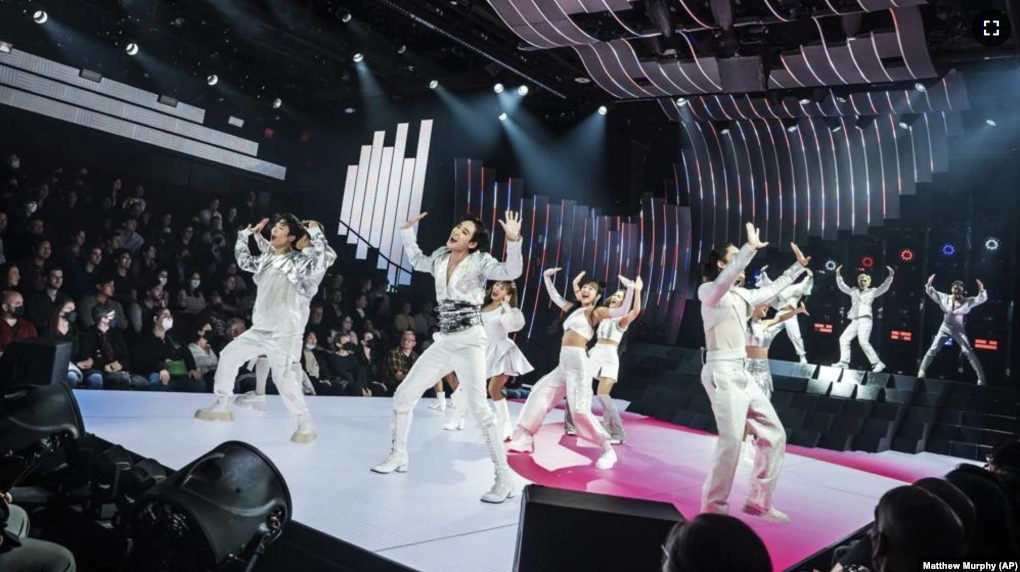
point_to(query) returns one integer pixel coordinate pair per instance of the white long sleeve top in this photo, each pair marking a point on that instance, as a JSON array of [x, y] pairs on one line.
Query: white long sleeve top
[[955, 310], [861, 301], [502, 322], [467, 284], [726, 308], [791, 296]]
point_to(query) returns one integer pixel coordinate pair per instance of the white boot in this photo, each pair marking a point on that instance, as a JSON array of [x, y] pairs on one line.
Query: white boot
[[522, 441], [251, 400], [456, 423], [607, 459], [878, 367], [504, 487], [803, 360], [218, 411], [771, 515], [503, 419], [400, 425], [305, 429], [440, 404], [841, 365]]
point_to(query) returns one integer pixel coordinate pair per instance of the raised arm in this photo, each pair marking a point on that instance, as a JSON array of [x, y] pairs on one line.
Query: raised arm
[[513, 266], [981, 297], [312, 264], [884, 287], [628, 299], [554, 294], [767, 293], [511, 318], [804, 287], [724, 282], [635, 311], [245, 260], [419, 261], [840, 283], [763, 278], [779, 319]]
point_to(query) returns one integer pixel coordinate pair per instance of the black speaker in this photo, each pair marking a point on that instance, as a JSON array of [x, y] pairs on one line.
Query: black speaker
[[35, 362], [569, 530]]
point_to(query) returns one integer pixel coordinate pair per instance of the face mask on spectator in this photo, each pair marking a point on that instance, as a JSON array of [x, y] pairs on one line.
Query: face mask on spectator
[[168, 323], [350, 347], [196, 283], [30, 207], [309, 347], [18, 311], [71, 316], [162, 280], [369, 343]]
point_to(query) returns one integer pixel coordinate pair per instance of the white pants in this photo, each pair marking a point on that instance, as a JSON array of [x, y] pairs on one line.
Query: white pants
[[859, 328], [570, 378], [738, 402], [792, 328], [280, 348], [960, 337]]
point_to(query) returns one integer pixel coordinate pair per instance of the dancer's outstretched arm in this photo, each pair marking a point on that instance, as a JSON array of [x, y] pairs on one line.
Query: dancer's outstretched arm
[[628, 299], [779, 319], [245, 260], [513, 266], [840, 283], [762, 295], [982, 295], [636, 310], [419, 261], [317, 256], [763, 278], [712, 292], [886, 284], [931, 291], [554, 294]]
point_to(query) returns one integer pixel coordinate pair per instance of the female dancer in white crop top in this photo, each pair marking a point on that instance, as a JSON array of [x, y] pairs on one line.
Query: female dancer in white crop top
[[503, 359], [604, 362], [571, 376]]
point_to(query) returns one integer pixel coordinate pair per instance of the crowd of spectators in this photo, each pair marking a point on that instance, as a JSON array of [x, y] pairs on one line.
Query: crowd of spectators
[[147, 291]]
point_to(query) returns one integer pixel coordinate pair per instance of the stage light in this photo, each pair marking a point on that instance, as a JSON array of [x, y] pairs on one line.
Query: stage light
[[904, 125], [346, 17], [681, 101], [990, 345], [498, 88], [131, 49], [992, 243], [224, 507], [433, 84], [502, 116], [868, 262], [523, 90], [831, 265], [901, 336], [349, 110], [805, 101], [840, 99], [725, 131], [401, 49], [36, 421], [5, 47], [906, 255], [791, 128], [823, 328], [582, 80], [991, 122], [790, 124], [603, 110], [277, 103], [358, 58], [948, 249], [212, 80], [40, 16], [920, 87]]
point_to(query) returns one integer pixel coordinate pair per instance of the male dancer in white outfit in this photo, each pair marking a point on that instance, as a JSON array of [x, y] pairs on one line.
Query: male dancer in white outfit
[[281, 274], [788, 301], [860, 315], [955, 307], [737, 401], [307, 290], [461, 272]]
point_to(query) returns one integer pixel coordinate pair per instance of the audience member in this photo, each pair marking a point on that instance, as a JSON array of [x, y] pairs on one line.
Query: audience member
[[39, 307], [10, 276], [399, 362], [403, 322], [140, 312], [168, 364], [911, 525], [201, 350], [993, 530], [63, 329], [714, 543], [190, 300], [105, 344], [424, 321], [33, 270], [19, 553], [13, 324]]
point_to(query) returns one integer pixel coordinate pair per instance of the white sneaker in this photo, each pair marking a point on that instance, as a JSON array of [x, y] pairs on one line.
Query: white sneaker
[[440, 404], [607, 459], [771, 515], [878, 367], [305, 430], [218, 411], [251, 400], [841, 365], [522, 442], [395, 461], [455, 424]]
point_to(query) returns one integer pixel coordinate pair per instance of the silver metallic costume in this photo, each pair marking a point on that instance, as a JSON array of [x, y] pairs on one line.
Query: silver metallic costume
[[758, 336], [954, 314], [790, 298]]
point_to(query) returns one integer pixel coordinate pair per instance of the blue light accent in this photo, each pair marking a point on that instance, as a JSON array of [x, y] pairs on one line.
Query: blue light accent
[[948, 249]]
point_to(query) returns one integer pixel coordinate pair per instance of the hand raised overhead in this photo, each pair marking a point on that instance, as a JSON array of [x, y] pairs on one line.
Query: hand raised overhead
[[413, 221]]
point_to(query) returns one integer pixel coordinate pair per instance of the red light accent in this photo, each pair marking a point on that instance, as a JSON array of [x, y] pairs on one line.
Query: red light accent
[[906, 255], [901, 336], [268, 133], [990, 345], [823, 328], [306, 137], [868, 262]]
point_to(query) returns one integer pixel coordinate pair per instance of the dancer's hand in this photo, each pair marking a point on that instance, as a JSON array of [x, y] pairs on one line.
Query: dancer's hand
[[801, 259], [577, 279], [638, 283], [752, 237], [809, 273], [931, 280], [512, 226], [627, 282], [413, 221], [310, 224], [7, 498], [891, 271], [164, 377], [764, 268], [258, 228], [802, 309], [551, 272], [838, 268], [981, 286]]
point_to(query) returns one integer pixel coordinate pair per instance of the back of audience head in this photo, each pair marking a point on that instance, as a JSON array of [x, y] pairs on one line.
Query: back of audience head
[[1005, 455], [714, 543], [960, 504], [912, 524], [992, 531]]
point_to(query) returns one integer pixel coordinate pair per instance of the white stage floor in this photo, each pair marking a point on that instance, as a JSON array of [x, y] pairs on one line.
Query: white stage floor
[[429, 519]]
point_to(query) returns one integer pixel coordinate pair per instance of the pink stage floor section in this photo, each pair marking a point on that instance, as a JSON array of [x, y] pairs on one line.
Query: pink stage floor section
[[430, 518]]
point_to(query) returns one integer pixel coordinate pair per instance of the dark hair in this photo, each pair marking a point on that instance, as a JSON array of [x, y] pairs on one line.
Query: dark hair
[[55, 317], [294, 226], [956, 499], [958, 283], [914, 523], [1006, 455], [101, 310], [481, 235], [715, 543], [600, 289], [710, 270]]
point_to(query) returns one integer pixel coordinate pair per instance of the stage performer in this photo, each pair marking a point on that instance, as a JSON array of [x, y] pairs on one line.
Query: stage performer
[[955, 307], [282, 274], [461, 271], [737, 401], [572, 376], [788, 301], [604, 363], [307, 290], [860, 315], [503, 359]]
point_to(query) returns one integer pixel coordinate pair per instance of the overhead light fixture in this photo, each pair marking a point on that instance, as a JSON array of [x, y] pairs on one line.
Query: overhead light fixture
[[401, 49], [40, 16], [582, 80], [433, 84], [90, 75], [5, 47], [840, 99], [920, 87], [235, 122], [603, 110], [346, 17], [805, 101], [277, 103], [906, 255], [992, 243], [948, 249], [831, 265], [725, 131], [212, 80], [349, 110], [991, 122], [502, 116], [131, 49], [498, 88], [791, 128], [523, 90], [904, 125], [681, 101], [837, 128], [358, 58]]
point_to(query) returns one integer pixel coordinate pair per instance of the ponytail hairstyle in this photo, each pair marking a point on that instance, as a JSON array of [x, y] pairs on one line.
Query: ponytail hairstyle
[[710, 270], [508, 286]]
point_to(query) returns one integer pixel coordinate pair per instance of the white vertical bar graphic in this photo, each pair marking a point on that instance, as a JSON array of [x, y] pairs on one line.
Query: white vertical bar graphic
[[359, 194], [378, 219], [348, 200], [397, 252], [371, 188], [420, 168], [392, 220]]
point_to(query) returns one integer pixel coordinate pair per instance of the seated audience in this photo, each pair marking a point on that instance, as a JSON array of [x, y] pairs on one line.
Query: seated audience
[[167, 363], [18, 552], [103, 296], [10, 276], [40, 306], [63, 329], [399, 362], [911, 525], [190, 300], [344, 367], [33, 270], [140, 312], [123, 281], [368, 361], [714, 543], [13, 324], [201, 350], [403, 322], [105, 344], [993, 538]]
